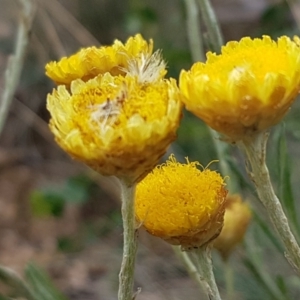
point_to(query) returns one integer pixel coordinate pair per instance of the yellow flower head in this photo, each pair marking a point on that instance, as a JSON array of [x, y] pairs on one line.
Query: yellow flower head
[[181, 204], [247, 88], [115, 124], [135, 56], [236, 221]]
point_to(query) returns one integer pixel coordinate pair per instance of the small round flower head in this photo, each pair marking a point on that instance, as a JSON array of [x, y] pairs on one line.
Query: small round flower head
[[115, 124], [247, 88], [117, 59], [181, 204], [236, 221]]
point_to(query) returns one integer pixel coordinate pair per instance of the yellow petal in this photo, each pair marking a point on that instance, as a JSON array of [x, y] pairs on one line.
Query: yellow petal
[[115, 59]]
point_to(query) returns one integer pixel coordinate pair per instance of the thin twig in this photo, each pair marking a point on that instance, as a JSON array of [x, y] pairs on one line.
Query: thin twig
[[15, 63], [51, 33], [69, 22], [31, 119]]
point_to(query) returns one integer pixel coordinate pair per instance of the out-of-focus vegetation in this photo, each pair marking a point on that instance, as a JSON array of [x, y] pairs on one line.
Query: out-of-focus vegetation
[[66, 218]]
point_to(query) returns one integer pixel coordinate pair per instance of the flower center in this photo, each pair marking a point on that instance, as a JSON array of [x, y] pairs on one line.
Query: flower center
[[107, 113]]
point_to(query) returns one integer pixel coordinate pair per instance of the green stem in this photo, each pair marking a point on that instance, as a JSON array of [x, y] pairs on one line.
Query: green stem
[[255, 151], [222, 150], [229, 279], [126, 276], [212, 24], [197, 51], [205, 270], [10, 278], [194, 30], [188, 264], [13, 70]]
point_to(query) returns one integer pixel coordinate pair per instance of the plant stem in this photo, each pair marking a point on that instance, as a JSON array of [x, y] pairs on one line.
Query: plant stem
[[126, 276], [229, 279], [212, 24], [205, 270], [255, 151], [188, 264], [14, 67], [197, 51], [222, 150], [10, 278], [194, 30]]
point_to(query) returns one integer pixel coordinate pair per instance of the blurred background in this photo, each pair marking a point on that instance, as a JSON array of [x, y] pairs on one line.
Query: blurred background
[[64, 217]]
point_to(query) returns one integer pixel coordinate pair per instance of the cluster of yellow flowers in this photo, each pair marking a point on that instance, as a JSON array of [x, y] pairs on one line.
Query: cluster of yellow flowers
[[114, 110]]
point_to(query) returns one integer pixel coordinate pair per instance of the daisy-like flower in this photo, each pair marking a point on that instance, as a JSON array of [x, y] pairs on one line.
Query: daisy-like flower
[[236, 221], [114, 124], [113, 109], [246, 89], [136, 55], [181, 204]]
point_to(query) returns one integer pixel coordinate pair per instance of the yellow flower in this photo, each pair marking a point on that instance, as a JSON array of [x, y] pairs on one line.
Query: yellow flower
[[181, 204], [236, 221], [115, 124], [133, 56], [246, 89]]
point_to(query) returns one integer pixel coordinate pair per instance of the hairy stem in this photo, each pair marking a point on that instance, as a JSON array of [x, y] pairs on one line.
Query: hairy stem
[[126, 276], [205, 270], [255, 152], [188, 264]]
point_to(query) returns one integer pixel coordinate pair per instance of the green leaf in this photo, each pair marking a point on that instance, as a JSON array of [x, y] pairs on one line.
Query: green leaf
[[51, 201], [20, 288], [282, 285], [253, 262], [46, 203], [266, 230], [284, 170], [258, 275], [42, 284]]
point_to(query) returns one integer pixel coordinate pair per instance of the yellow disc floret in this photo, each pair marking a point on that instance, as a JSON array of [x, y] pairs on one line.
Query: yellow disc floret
[[237, 218], [92, 61], [115, 124], [181, 204], [247, 88]]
